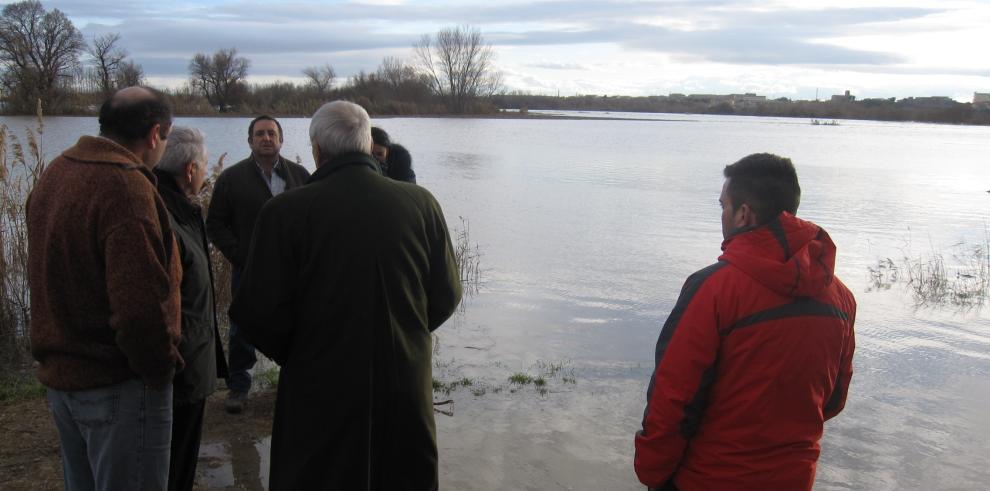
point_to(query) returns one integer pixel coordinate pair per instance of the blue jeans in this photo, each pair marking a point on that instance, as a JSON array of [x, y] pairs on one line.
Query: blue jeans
[[242, 355], [114, 437]]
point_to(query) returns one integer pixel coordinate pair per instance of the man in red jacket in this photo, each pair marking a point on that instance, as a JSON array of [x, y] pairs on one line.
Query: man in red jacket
[[757, 352]]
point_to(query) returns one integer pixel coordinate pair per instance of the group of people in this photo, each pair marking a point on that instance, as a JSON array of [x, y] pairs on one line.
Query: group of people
[[341, 276]]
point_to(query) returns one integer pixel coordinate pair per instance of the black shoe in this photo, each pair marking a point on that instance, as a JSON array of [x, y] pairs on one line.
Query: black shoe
[[235, 402]]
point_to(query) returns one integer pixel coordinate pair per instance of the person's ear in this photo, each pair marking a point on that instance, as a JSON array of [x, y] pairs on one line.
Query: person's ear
[[190, 171], [154, 136], [316, 154], [744, 217]]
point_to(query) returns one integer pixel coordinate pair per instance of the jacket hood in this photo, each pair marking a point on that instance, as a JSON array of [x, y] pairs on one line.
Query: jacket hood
[[790, 256]]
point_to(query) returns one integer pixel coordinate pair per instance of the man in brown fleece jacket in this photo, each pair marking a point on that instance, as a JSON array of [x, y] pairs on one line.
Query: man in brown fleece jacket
[[104, 272]]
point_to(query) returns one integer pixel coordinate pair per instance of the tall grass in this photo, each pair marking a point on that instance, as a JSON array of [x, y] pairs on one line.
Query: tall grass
[[221, 266], [20, 167]]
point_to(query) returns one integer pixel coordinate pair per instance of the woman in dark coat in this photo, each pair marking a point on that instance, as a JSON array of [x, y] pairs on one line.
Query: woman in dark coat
[[394, 159]]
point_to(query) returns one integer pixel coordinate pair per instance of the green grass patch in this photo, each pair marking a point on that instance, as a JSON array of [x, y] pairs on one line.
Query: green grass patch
[[520, 379], [20, 387], [446, 388], [270, 377]]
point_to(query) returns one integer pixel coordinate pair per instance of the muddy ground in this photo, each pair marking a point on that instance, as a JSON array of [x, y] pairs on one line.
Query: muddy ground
[[29, 458], [520, 437]]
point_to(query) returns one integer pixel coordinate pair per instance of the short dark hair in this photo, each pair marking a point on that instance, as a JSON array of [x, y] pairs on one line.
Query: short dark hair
[[766, 182], [380, 137], [265, 117], [129, 120]]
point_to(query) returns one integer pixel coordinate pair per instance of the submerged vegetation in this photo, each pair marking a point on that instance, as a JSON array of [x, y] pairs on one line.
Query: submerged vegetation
[[959, 278], [540, 376], [468, 258]]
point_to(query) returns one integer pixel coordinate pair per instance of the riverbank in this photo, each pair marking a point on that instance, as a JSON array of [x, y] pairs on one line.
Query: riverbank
[[29, 449]]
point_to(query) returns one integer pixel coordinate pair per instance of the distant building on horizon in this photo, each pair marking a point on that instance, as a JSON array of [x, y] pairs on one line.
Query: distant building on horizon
[[934, 102], [847, 97], [733, 100], [747, 99]]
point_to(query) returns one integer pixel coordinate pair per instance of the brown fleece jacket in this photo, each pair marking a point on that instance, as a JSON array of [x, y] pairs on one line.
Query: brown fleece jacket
[[104, 271]]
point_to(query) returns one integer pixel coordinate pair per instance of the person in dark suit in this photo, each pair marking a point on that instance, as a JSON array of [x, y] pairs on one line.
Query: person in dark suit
[[239, 194]]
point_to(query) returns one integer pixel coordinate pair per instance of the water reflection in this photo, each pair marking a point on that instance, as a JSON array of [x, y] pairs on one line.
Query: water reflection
[[240, 463], [470, 166]]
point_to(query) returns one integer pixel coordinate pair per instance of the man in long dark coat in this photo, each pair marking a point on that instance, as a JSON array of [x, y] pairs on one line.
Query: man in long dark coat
[[346, 278]]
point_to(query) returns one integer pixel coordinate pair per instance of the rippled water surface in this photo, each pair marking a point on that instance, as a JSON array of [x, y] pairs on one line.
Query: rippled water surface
[[587, 229]]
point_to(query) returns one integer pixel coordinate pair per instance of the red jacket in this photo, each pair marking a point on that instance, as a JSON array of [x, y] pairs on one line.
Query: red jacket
[[755, 356]]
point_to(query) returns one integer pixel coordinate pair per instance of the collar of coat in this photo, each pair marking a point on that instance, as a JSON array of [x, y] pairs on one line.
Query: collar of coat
[[103, 151], [344, 160], [182, 208]]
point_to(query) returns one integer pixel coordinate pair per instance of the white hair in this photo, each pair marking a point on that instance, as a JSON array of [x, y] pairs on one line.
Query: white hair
[[339, 127], [183, 145]]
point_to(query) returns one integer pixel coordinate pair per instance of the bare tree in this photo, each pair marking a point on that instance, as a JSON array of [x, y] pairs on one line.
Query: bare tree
[[220, 77], [107, 57], [459, 65], [395, 72], [129, 74], [320, 77], [37, 50]]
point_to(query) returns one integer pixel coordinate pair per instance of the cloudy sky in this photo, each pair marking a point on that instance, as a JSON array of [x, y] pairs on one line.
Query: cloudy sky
[[779, 48]]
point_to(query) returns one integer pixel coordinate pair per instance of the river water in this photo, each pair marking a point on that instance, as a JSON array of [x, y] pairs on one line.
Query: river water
[[586, 230]]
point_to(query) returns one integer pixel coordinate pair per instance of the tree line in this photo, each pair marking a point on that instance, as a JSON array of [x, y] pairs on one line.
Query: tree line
[[890, 109], [44, 57]]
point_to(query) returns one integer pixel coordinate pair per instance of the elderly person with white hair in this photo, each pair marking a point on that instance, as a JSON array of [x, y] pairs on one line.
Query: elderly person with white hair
[[181, 173], [347, 278]]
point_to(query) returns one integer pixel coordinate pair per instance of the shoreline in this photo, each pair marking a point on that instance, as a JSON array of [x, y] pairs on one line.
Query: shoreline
[[509, 115], [515, 115]]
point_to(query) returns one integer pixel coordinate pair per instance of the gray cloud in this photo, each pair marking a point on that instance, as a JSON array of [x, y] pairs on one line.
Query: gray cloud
[[276, 37], [552, 65]]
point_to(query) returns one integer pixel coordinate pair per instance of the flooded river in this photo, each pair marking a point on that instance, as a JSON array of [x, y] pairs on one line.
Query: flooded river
[[586, 230]]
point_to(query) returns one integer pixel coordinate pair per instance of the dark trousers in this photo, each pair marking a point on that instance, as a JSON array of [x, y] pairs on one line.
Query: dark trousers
[[242, 355], [187, 431]]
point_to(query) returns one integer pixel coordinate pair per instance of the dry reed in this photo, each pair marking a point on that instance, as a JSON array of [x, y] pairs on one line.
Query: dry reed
[[468, 258], [19, 170], [221, 266]]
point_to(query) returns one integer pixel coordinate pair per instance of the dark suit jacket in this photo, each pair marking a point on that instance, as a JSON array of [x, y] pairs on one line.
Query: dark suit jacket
[[239, 194]]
